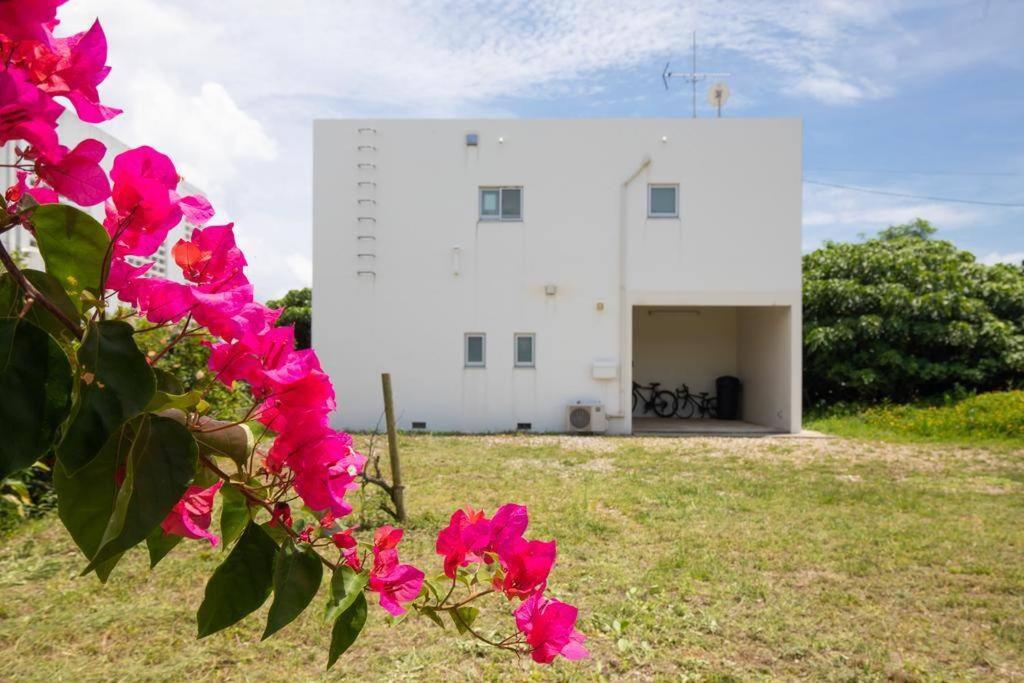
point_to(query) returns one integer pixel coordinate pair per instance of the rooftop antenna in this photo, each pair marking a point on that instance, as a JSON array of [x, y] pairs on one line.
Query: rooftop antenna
[[692, 77]]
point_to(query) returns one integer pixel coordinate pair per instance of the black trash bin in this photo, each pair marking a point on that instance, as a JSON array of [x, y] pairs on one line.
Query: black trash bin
[[728, 390]]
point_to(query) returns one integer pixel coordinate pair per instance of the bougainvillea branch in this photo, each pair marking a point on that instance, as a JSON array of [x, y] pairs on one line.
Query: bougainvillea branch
[[140, 460]]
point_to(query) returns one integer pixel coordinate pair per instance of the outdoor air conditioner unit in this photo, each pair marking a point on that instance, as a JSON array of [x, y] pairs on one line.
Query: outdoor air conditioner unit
[[583, 417]]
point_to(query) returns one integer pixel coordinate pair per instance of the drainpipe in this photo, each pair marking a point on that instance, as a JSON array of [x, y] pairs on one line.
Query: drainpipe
[[624, 321]]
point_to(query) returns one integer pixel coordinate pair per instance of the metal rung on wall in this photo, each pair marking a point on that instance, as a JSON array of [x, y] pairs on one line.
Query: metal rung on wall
[[366, 219], [366, 201], [366, 148], [366, 183], [366, 164], [366, 253], [366, 237], [367, 130]]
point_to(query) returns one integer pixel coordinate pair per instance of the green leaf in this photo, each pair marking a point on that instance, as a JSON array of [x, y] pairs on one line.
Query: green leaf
[[115, 384], [73, 246], [297, 576], [233, 442], [241, 584], [159, 544], [35, 391], [463, 617], [346, 629], [168, 382], [431, 613], [234, 514], [12, 301], [162, 401], [346, 585], [85, 501], [158, 468]]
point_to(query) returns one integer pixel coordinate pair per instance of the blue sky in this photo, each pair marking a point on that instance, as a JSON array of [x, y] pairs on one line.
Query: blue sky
[[920, 97]]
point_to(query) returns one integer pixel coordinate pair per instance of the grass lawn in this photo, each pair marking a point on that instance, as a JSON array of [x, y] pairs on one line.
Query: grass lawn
[[690, 559]]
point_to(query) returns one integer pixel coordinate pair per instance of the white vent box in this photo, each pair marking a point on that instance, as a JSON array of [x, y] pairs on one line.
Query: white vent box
[[605, 369]]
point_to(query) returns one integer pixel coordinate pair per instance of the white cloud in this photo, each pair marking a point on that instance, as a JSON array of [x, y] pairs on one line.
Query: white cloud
[[993, 257], [301, 267]]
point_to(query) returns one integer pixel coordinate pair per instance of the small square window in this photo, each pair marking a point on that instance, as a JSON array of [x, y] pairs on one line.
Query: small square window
[[501, 203], [475, 350], [524, 349], [663, 201]]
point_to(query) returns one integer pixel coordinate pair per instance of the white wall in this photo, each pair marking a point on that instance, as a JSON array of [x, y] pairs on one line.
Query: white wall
[[736, 242], [678, 344], [771, 391]]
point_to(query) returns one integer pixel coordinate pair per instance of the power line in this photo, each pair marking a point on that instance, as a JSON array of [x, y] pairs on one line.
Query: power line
[[870, 190], [913, 172]]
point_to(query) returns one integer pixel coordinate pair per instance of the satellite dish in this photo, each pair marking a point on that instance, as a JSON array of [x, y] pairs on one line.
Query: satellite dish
[[718, 95]]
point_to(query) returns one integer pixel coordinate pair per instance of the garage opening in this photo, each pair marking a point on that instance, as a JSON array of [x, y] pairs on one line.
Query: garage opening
[[687, 349]]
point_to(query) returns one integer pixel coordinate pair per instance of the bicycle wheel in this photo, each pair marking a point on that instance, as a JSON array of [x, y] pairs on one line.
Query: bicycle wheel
[[664, 404], [712, 408], [634, 403], [685, 407]]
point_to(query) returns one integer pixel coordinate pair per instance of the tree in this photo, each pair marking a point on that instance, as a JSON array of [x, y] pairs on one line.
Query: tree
[[298, 312], [905, 316], [139, 453]]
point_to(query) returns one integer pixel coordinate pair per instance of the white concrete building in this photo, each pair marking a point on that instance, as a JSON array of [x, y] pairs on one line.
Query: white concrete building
[[72, 131], [501, 270]]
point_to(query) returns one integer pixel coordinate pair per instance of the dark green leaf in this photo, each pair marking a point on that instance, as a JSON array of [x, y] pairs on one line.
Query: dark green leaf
[[346, 585], [241, 584], [35, 390], [464, 617], [159, 466], [234, 514], [168, 382], [297, 576], [85, 501], [115, 385], [159, 544], [346, 629], [73, 246], [12, 301]]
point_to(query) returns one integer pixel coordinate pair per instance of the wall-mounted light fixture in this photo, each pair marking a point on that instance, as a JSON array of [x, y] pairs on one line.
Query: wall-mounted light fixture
[[456, 260], [551, 290]]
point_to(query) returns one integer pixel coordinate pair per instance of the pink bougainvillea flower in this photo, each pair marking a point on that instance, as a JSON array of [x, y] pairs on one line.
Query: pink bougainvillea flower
[[527, 565], [82, 67], [143, 205], [28, 19], [464, 540], [282, 515], [507, 526], [190, 516], [76, 174], [550, 629], [42, 195], [26, 113], [211, 257], [346, 542], [324, 464], [396, 583]]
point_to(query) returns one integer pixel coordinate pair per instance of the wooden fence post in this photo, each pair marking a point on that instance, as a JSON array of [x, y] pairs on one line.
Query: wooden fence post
[[397, 490]]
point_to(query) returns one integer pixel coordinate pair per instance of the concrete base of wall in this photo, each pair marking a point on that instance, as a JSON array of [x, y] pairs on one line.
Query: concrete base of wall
[[657, 425]]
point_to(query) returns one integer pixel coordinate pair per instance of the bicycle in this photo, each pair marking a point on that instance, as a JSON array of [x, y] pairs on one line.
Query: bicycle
[[661, 402], [688, 404]]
